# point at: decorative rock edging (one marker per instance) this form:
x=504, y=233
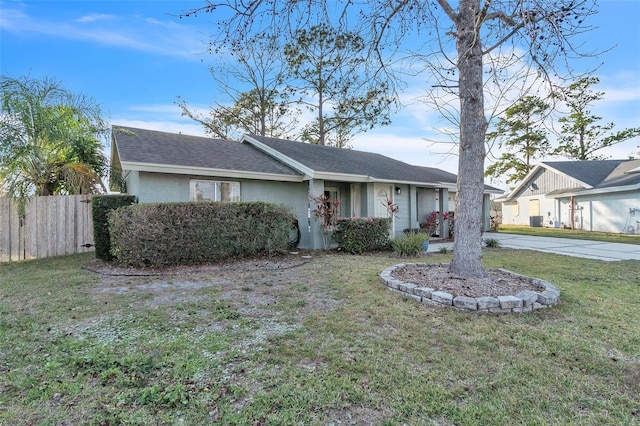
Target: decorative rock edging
x=524, y=301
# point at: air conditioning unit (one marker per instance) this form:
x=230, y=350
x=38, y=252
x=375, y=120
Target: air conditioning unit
x=536, y=221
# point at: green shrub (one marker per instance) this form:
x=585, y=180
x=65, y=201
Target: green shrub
x=101, y=205
x=409, y=244
x=362, y=234
x=156, y=235
x=491, y=242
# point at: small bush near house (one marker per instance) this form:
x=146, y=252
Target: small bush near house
x=359, y=235
x=409, y=244
x=156, y=235
x=491, y=243
x=101, y=205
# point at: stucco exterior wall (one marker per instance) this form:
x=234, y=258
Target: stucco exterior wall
x=617, y=212
x=547, y=208
x=162, y=188
x=596, y=212
x=133, y=182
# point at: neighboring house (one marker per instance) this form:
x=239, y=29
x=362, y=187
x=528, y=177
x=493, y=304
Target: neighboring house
x=165, y=167
x=598, y=195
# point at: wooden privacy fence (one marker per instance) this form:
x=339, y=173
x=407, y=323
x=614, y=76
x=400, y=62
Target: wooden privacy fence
x=52, y=226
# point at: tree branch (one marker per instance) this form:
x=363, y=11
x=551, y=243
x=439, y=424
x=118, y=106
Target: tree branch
x=444, y=4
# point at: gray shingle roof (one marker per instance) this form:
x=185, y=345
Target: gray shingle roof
x=444, y=177
x=622, y=175
x=150, y=146
x=599, y=173
x=337, y=160
x=170, y=149
x=346, y=161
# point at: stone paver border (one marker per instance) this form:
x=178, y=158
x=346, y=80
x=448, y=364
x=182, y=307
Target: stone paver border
x=525, y=301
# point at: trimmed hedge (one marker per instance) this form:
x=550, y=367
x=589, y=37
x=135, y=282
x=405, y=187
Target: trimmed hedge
x=157, y=235
x=101, y=205
x=358, y=235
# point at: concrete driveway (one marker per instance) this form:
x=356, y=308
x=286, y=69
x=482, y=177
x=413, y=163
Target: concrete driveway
x=569, y=247
x=579, y=248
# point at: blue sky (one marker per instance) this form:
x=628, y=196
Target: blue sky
x=136, y=57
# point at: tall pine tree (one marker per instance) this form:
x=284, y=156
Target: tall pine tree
x=521, y=135
x=581, y=134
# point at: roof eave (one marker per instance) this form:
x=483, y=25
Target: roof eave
x=342, y=177
x=444, y=185
x=493, y=191
x=115, y=154
x=205, y=171
x=595, y=191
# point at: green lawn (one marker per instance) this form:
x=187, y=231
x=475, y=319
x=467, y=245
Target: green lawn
x=571, y=233
x=321, y=343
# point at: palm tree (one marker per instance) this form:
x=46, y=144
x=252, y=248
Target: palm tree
x=49, y=140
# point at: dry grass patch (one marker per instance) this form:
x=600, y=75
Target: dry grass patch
x=320, y=342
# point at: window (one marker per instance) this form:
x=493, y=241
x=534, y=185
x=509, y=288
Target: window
x=534, y=207
x=211, y=190
x=515, y=210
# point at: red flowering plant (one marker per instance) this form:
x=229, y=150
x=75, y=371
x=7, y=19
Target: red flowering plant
x=392, y=208
x=431, y=223
x=326, y=212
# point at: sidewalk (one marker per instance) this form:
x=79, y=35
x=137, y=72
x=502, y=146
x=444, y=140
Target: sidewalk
x=597, y=250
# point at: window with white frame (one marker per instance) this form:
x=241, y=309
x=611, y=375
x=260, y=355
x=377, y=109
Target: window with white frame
x=213, y=190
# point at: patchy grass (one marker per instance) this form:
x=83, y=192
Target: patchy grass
x=570, y=233
x=324, y=342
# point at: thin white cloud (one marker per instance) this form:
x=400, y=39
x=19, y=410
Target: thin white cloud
x=622, y=94
x=93, y=17
x=411, y=150
x=11, y=20
x=129, y=32
x=169, y=109
x=161, y=117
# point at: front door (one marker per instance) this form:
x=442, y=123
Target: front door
x=384, y=194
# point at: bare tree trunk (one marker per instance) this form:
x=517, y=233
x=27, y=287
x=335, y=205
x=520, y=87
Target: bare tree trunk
x=321, y=130
x=467, y=254
x=263, y=109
